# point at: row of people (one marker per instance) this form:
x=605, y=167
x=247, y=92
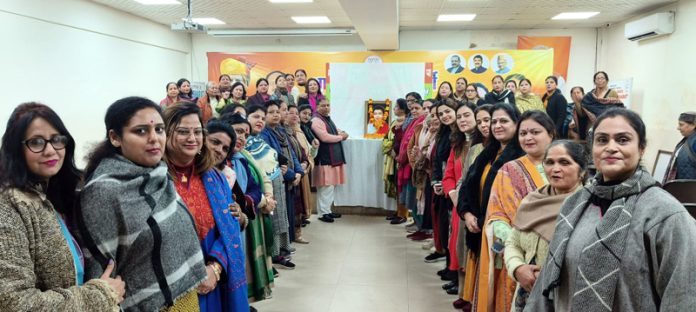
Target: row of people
x=171, y=213
x=465, y=171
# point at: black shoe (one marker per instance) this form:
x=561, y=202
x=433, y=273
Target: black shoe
x=450, y=285
x=434, y=257
x=335, y=215
x=398, y=220
x=326, y=218
x=252, y=309
x=442, y=272
x=305, y=222
x=453, y=291
x=283, y=263
x=392, y=217
x=275, y=273
x=450, y=276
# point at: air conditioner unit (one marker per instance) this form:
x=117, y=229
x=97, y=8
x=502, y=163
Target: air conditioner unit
x=658, y=24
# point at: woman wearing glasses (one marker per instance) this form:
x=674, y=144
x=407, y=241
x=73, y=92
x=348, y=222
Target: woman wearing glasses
x=471, y=95
x=41, y=266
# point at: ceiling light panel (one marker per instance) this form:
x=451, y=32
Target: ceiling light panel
x=157, y=2
x=455, y=17
x=311, y=19
x=207, y=21
x=574, y=15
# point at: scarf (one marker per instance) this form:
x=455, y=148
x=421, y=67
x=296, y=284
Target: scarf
x=230, y=253
x=538, y=211
x=307, y=130
x=501, y=97
x=279, y=134
x=313, y=100
x=133, y=215
x=597, y=281
x=594, y=106
x=265, y=156
x=239, y=163
x=330, y=153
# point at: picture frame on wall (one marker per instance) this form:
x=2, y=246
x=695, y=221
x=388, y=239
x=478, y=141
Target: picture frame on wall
x=377, y=118
x=661, y=164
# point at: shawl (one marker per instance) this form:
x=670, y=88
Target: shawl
x=538, y=211
x=227, y=249
x=404, y=169
x=596, y=288
x=133, y=215
x=264, y=155
x=330, y=153
x=278, y=94
x=505, y=96
x=284, y=149
x=595, y=106
x=307, y=130
x=527, y=102
x=444, y=145
x=472, y=198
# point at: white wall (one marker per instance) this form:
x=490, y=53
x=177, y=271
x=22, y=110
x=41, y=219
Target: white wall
x=79, y=57
x=580, y=71
x=661, y=69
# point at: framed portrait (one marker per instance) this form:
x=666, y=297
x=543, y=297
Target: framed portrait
x=376, y=118
x=661, y=164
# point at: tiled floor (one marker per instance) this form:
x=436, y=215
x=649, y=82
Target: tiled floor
x=358, y=264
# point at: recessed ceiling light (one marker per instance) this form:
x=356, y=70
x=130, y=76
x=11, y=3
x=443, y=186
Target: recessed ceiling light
x=206, y=21
x=574, y=15
x=157, y=2
x=455, y=17
x=311, y=19
x=291, y=1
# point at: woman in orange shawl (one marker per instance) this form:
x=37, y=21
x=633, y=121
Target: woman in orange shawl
x=513, y=182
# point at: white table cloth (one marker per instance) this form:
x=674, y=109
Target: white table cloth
x=364, y=185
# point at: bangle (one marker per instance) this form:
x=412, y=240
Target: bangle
x=216, y=269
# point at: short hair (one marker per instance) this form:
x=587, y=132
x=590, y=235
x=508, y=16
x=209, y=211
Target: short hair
x=244, y=95
x=14, y=172
x=478, y=56
x=172, y=117
x=633, y=119
x=457, y=56
x=600, y=72
x=688, y=117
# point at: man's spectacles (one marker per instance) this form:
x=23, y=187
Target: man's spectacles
x=38, y=144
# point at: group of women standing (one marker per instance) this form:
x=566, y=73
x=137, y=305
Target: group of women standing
x=512, y=212
x=183, y=206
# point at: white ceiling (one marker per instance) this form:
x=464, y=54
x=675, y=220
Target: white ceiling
x=378, y=20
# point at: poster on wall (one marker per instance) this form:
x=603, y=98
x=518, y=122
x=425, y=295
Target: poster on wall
x=623, y=88
x=477, y=66
x=561, y=52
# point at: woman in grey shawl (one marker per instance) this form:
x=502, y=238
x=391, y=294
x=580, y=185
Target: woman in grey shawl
x=621, y=244
x=131, y=214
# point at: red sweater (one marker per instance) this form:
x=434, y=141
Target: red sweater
x=453, y=172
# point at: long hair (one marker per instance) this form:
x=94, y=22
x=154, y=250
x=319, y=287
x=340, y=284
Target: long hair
x=478, y=136
x=244, y=95
x=172, y=118
x=180, y=82
x=318, y=86
x=458, y=138
x=493, y=144
x=118, y=115
x=14, y=172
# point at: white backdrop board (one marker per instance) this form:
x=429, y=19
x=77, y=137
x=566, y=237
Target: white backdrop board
x=351, y=84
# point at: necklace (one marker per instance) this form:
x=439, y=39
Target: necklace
x=182, y=172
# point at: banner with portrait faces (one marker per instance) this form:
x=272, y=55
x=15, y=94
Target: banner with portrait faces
x=477, y=66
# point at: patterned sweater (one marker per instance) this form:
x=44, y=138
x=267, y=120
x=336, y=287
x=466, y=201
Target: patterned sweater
x=37, y=272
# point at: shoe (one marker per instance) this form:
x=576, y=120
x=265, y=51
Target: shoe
x=335, y=215
x=454, y=290
x=412, y=234
x=252, y=309
x=326, y=218
x=450, y=285
x=467, y=306
x=301, y=240
x=283, y=263
x=459, y=304
x=435, y=257
x=285, y=254
x=442, y=272
x=305, y=221
x=398, y=220
x=412, y=224
x=450, y=276
x=275, y=273
x=428, y=245
x=422, y=236
x=392, y=217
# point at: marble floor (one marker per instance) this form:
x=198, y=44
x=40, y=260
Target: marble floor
x=358, y=264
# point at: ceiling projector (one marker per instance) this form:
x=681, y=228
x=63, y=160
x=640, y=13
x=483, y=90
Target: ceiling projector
x=189, y=27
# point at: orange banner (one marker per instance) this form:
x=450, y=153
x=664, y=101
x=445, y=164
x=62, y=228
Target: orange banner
x=561, y=51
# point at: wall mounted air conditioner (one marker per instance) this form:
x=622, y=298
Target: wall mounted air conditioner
x=655, y=25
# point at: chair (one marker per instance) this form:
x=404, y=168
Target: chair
x=685, y=192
